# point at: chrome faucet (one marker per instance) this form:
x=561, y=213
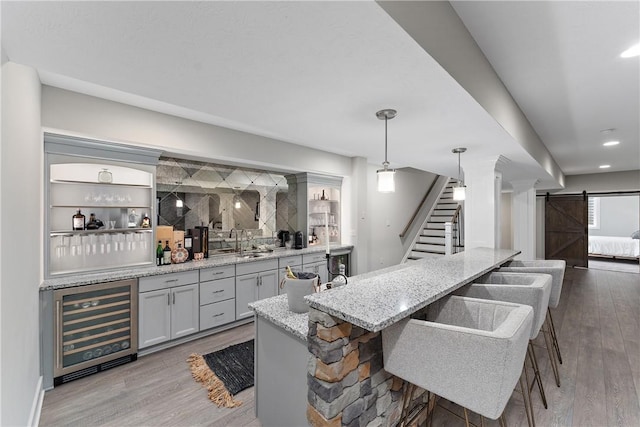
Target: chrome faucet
x=242, y=233
x=230, y=235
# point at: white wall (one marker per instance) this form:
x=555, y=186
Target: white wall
x=506, y=229
x=75, y=113
x=388, y=214
x=608, y=181
x=619, y=216
x=21, y=219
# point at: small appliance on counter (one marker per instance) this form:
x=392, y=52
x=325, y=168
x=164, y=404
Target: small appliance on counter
x=283, y=236
x=299, y=240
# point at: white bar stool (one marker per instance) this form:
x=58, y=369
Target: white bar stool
x=529, y=289
x=556, y=269
x=469, y=351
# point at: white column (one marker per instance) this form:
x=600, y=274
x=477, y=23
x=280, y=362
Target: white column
x=482, y=203
x=523, y=218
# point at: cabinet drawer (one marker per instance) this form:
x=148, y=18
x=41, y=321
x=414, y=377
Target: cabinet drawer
x=217, y=314
x=256, y=266
x=311, y=258
x=217, y=290
x=290, y=261
x=165, y=281
x=214, y=273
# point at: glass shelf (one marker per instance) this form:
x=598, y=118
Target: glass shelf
x=100, y=231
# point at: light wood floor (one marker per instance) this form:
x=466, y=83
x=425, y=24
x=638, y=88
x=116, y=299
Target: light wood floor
x=598, y=324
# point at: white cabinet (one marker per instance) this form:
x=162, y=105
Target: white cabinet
x=319, y=207
x=168, y=307
x=316, y=263
x=255, y=281
x=217, y=296
x=112, y=184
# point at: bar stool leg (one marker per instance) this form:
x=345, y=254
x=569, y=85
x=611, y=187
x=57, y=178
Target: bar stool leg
x=553, y=336
x=526, y=397
x=536, y=371
x=503, y=423
x=466, y=417
x=550, y=350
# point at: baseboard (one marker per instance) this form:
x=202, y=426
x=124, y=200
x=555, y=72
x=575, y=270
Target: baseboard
x=36, y=406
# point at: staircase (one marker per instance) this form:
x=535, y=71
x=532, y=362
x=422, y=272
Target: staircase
x=430, y=242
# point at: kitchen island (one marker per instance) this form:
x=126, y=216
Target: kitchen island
x=325, y=367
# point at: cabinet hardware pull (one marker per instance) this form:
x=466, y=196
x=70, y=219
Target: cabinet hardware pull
x=218, y=291
x=174, y=297
x=171, y=280
x=218, y=315
x=168, y=299
x=219, y=272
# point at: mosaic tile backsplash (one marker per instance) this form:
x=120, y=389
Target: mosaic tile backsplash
x=191, y=193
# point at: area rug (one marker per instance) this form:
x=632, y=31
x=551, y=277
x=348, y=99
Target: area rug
x=225, y=372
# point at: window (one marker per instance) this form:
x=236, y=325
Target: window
x=594, y=212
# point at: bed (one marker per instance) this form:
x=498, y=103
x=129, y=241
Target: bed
x=615, y=247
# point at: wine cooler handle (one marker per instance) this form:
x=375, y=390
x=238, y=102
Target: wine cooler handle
x=58, y=333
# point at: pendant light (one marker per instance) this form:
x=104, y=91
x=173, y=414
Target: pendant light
x=459, y=189
x=386, y=182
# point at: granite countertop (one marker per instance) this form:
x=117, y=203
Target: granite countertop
x=276, y=310
x=135, y=272
x=377, y=299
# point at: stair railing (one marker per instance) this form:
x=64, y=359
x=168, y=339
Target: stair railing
x=456, y=230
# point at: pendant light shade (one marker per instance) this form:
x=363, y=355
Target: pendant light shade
x=386, y=180
x=386, y=176
x=459, y=191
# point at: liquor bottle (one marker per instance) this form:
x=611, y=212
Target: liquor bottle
x=79, y=221
x=146, y=221
x=159, y=254
x=322, y=198
x=166, y=254
x=92, y=224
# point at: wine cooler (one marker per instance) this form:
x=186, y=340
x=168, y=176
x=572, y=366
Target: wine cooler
x=95, y=328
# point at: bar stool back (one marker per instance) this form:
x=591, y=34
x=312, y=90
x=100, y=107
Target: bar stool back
x=469, y=351
x=530, y=289
x=556, y=269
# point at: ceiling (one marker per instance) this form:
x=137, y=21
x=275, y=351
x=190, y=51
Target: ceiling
x=315, y=73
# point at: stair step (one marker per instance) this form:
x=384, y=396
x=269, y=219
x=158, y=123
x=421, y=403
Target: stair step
x=429, y=247
x=444, y=212
x=432, y=231
x=439, y=218
x=438, y=240
x=435, y=225
x=425, y=254
x=447, y=206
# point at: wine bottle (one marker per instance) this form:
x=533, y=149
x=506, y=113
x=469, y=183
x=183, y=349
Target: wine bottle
x=166, y=254
x=159, y=254
x=79, y=221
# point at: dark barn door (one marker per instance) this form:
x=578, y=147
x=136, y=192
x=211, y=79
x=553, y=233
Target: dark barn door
x=566, y=229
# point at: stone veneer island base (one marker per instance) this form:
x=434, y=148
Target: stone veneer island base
x=339, y=342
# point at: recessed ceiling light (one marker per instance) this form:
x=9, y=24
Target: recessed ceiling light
x=610, y=143
x=631, y=52
x=604, y=166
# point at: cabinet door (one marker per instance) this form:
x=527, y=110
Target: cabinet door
x=154, y=317
x=246, y=292
x=320, y=268
x=185, y=310
x=268, y=284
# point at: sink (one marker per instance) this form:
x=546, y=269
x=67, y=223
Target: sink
x=253, y=255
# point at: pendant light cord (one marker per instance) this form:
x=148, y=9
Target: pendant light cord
x=386, y=163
